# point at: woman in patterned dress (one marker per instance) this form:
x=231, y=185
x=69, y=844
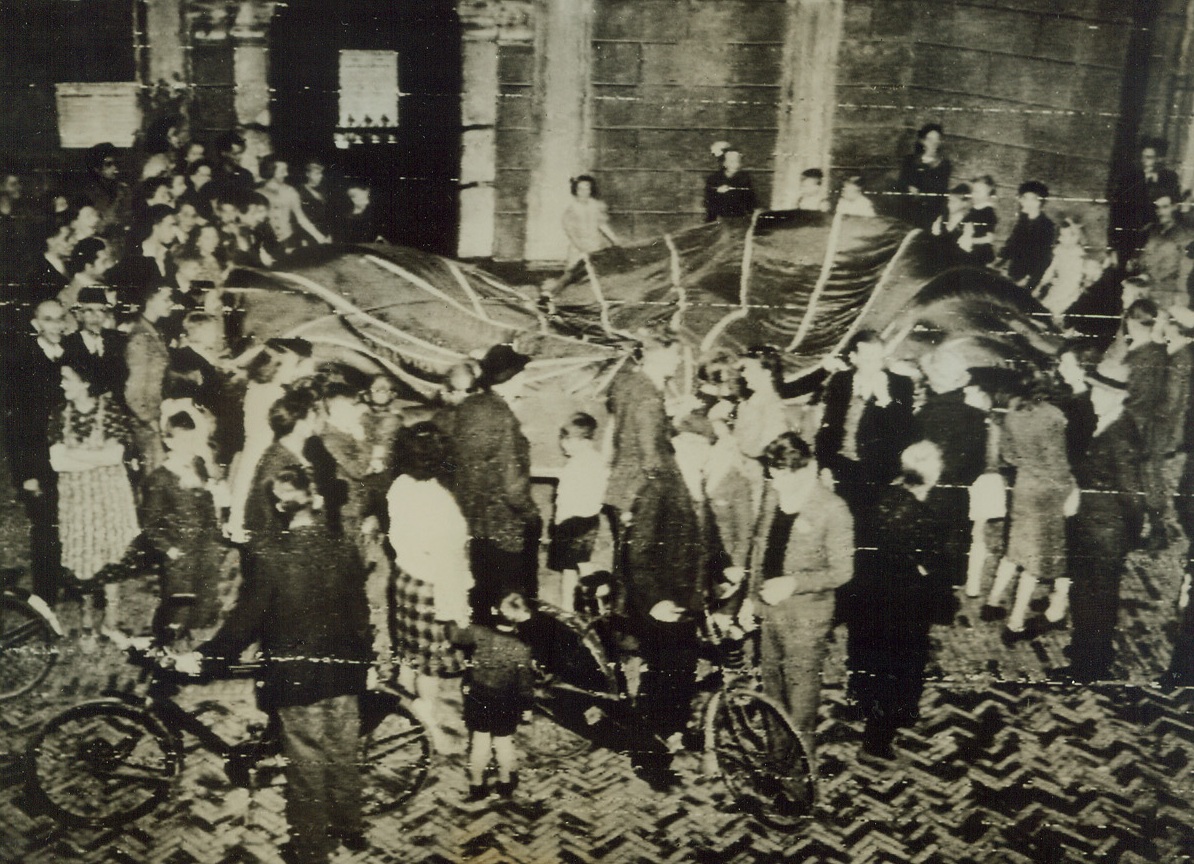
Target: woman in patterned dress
x=429, y=536
x=90, y=435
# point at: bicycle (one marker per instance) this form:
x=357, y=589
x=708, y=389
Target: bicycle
x=29, y=634
x=111, y=760
x=744, y=735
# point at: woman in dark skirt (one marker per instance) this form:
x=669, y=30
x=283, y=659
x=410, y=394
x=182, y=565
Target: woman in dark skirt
x=898, y=601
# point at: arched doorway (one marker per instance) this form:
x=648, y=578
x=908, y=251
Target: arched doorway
x=413, y=164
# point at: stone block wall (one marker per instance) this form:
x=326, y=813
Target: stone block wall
x=1026, y=89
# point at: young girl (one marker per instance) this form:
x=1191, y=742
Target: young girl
x=1062, y=284
x=497, y=693
x=578, y=505
x=978, y=226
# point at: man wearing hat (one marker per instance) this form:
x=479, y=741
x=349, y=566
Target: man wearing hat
x=1106, y=527
x=1163, y=256
x=95, y=345
x=493, y=481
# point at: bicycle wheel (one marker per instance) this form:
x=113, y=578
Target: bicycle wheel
x=760, y=755
x=27, y=647
x=396, y=755
x=103, y=764
x=555, y=731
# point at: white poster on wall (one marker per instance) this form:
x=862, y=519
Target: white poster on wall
x=95, y=113
x=368, y=89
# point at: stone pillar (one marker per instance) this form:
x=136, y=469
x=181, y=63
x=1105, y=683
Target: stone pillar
x=478, y=157
x=487, y=24
x=163, y=35
x=563, y=49
x=250, y=61
x=808, y=95
x=1181, y=106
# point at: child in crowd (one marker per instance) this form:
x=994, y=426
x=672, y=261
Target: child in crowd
x=181, y=522
x=579, y=498
x=1029, y=248
x=812, y=191
x=1068, y=274
x=498, y=693
x=951, y=225
x=978, y=235
x=853, y=201
x=462, y=381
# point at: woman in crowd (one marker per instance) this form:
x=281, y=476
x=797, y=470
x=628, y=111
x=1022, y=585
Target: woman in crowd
x=1032, y=441
x=279, y=363
x=313, y=197
x=90, y=439
x=429, y=536
x=924, y=177
x=586, y=220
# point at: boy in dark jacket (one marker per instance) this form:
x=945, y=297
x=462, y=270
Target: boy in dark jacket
x=498, y=694
x=304, y=601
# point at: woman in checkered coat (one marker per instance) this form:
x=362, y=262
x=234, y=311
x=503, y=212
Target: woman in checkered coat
x=429, y=536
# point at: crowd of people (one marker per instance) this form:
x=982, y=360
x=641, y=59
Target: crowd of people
x=291, y=503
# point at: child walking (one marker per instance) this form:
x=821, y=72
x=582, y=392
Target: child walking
x=579, y=498
x=498, y=691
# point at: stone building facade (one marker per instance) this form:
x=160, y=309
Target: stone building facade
x=533, y=92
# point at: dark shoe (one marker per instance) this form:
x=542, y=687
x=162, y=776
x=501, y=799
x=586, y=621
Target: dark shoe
x=476, y=794
x=353, y=841
x=992, y=613
x=506, y=789
x=659, y=779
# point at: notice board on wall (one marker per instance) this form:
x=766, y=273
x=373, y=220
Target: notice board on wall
x=368, y=89
x=95, y=113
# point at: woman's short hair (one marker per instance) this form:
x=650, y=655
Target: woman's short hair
x=923, y=132
x=788, y=452
x=86, y=373
x=423, y=451
x=862, y=337
x=585, y=178
x=985, y=179
x=84, y=254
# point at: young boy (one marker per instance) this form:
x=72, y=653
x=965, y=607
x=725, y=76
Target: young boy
x=498, y=693
x=1029, y=249
x=578, y=505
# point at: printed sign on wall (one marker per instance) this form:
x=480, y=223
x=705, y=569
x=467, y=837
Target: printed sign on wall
x=90, y=114
x=368, y=89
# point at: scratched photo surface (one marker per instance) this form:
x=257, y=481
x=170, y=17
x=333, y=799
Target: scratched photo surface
x=818, y=370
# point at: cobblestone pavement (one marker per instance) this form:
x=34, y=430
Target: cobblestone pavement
x=1003, y=767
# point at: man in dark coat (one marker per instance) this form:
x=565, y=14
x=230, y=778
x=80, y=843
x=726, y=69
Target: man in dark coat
x=866, y=426
x=33, y=387
x=94, y=346
x=729, y=192
x=304, y=602
x=1108, y=522
x=492, y=482
x=960, y=431
x=1147, y=362
x=1132, y=201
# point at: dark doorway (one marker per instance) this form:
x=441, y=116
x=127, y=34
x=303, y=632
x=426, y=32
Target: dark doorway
x=412, y=166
